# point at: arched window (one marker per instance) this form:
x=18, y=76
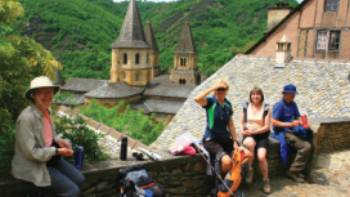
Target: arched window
x=182, y=81
x=183, y=61
x=137, y=58
x=125, y=58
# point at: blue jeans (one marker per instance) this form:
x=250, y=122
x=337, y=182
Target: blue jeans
x=66, y=180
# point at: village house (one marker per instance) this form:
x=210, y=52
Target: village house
x=135, y=71
x=318, y=29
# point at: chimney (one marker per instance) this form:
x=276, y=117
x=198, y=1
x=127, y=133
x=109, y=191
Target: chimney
x=283, y=54
x=276, y=14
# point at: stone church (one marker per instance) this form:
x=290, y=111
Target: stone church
x=135, y=75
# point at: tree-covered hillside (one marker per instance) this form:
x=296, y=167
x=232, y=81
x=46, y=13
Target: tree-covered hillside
x=80, y=32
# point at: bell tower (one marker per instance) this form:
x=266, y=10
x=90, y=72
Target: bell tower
x=185, y=59
x=130, y=52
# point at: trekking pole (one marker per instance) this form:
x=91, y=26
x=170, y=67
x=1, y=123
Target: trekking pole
x=202, y=154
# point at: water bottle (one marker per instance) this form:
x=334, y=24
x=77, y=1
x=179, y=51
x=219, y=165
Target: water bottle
x=79, y=157
x=124, y=149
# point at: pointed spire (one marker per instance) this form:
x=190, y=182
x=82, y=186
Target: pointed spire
x=59, y=78
x=150, y=38
x=131, y=34
x=186, y=44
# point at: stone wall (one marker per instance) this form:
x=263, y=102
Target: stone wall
x=181, y=176
x=333, y=135
x=185, y=176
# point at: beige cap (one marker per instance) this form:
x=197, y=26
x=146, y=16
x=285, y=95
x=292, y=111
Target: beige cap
x=40, y=82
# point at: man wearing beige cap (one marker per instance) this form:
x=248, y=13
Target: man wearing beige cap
x=38, y=151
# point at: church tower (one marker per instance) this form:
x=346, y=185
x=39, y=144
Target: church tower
x=130, y=52
x=185, y=61
x=154, y=50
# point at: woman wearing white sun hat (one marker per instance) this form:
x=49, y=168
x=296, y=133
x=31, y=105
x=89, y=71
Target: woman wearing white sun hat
x=38, y=152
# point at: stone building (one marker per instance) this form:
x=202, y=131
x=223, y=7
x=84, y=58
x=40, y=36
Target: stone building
x=185, y=60
x=315, y=29
x=130, y=52
x=135, y=71
x=153, y=54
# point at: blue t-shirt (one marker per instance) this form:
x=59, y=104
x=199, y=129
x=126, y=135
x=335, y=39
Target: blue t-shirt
x=218, y=117
x=285, y=112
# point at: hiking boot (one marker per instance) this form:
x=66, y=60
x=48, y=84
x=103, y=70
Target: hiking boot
x=295, y=176
x=266, y=187
x=250, y=176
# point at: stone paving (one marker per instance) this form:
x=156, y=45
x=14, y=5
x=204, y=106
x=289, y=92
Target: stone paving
x=330, y=178
x=323, y=86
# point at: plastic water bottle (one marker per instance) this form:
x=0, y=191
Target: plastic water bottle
x=79, y=157
x=124, y=149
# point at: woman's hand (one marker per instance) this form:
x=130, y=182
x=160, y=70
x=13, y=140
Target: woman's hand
x=247, y=132
x=64, y=143
x=65, y=152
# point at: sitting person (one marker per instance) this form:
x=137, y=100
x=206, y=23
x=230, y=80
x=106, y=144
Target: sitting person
x=255, y=128
x=220, y=134
x=38, y=152
x=288, y=130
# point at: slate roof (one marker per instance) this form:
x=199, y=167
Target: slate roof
x=82, y=85
x=150, y=37
x=162, y=86
x=159, y=106
x=59, y=78
x=114, y=91
x=323, y=86
x=186, y=43
x=131, y=34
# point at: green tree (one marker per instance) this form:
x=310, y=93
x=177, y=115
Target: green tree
x=21, y=59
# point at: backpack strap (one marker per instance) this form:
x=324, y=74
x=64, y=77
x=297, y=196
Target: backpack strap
x=211, y=113
x=266, y=110
x=245, y=112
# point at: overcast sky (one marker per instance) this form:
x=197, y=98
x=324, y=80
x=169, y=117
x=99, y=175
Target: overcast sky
x=169, y=0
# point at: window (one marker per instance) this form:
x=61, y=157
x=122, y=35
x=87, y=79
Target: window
x=182, y=81
x=125, y=58
x=137, y=58
x=334, y=40
x=331, y=5
x=322, y=40
x=183, y=61
x=328, y=40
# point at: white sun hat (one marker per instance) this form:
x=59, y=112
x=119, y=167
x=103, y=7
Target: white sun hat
x=40, y=82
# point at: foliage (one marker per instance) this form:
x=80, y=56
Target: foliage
x=7, y=141
x=21, y=59
x=76, y=130
x=123, y=118
x=80, y=32
x=66, y=98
